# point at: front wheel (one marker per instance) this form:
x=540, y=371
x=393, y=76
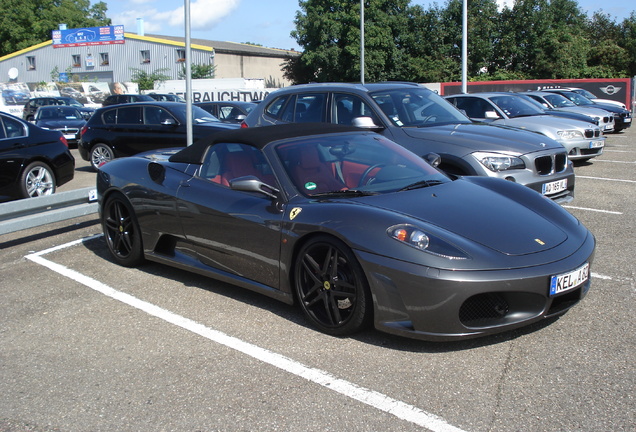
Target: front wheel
x=121, y=231
x=37, y=180
x=100, y=154
x=331, y=287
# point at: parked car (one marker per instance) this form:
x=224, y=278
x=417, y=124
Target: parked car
x=167, y=97
x=95, y=94
x=33, y=161
x=582, y=141
x=353, y=227
x=127, y=129
x=66, y=119
x=14, y=97
x=228, y=111
x=556, y=103
x=126, y=98
x=591, y=96
x=28, y=112
x=622, y=117
x=424, y=123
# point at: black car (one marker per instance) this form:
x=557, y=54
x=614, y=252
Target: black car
x=128, y=129
x=228, y=111
x=351, y=226
x=28, y=112
x=33, y=161
x=66, y=119
x=622, y=117
x=117, y=99
x=423, y=122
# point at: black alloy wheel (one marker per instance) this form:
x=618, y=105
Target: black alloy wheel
x=331, y=287
x=121, y=231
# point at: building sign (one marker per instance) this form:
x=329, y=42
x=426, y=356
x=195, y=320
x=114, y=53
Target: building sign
x=88, y=36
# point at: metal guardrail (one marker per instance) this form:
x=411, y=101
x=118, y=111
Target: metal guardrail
x=32, y=212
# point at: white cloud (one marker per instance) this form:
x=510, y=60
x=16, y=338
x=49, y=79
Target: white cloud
x=203, y=15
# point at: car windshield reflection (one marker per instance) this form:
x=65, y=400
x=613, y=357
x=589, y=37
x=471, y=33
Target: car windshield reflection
x=354, y=165
x=415, y=107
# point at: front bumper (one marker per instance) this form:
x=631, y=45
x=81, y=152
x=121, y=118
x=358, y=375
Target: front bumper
x=426, y=303
x=583, y=148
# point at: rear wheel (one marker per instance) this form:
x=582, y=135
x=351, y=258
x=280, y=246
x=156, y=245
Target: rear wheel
x=100, y=154
x=331, y=287
x=121, y=231
x=37, y=180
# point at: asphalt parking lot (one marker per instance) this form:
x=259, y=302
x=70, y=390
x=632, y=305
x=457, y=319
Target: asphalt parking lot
x=91, y=346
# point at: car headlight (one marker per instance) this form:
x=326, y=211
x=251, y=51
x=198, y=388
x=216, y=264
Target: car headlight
x=499, y=162
x=570, y=134
x=418, y=239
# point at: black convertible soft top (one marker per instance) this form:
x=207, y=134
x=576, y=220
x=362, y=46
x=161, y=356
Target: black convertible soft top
x=258, y=137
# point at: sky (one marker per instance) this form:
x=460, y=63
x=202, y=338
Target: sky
x=262, y=22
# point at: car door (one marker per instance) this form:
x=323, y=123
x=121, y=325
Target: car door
x=13, y=139
x=232, y=231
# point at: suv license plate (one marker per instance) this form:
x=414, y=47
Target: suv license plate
x=554, y=187
x=567, y=281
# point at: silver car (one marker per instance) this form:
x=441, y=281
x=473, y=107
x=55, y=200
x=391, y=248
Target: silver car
x=582, y=141
x=424, y=123
x=602, y=118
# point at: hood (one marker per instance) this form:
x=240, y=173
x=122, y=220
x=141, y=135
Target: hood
x=546, y=123
x=485, y=137
x=480, y=215
x=586, y=111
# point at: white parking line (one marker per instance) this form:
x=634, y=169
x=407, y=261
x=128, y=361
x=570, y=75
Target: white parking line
x=605, y=179
x=613, y=161
x=593, y=210
x=372, y=398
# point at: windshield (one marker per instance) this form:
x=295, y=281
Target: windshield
x=559, y=101
x=58, y=113
x=514, y=106
x=417, y=107
x=578, y=99
x=354, y=164
x=585, y=93
x=69, y=101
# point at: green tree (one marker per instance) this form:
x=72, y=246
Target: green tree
x=24, y=23
x=145, y=80
x=329, y=33
x=198, y=71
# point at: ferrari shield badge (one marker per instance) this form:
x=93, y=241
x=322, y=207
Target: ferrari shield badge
x=294, y=212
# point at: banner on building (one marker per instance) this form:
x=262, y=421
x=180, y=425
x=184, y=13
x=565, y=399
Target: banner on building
x=88, y=36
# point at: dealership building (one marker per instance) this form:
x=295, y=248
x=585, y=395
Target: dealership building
x=108, y=54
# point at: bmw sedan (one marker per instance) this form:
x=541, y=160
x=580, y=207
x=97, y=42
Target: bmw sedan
x=127, y=129
x=353, y=228
x=33, y=161
x=622, y=116
x=582, y=141
x=66, y=119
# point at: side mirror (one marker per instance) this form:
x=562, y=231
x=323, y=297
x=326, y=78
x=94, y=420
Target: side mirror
x=492, y=115
x=168, y=122
x=240, y=117
x=365, y=123
x=433, y=159
x=253, y=184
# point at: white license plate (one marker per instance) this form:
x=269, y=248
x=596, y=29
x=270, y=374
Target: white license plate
x=67, y=136
x=628, y=120
x=596, y=144
x=567, y=281
x=608, y=127
x=554, y=187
